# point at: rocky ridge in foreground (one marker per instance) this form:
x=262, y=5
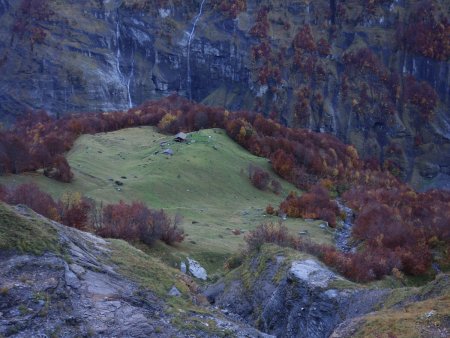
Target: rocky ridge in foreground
x=75, y=290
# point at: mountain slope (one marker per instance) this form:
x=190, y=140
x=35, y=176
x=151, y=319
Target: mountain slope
x=376, y=73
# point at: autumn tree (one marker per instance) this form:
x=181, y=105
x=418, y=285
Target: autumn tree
x=74, y=210
x=30, y=195
x=258, y=176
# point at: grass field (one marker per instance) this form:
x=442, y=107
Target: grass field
x=205, y=181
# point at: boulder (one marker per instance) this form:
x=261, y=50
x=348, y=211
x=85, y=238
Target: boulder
x=196, y=270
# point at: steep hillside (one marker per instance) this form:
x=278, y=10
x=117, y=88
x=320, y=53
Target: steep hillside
x=374, y=73
x=205, y=181
x=61, y=282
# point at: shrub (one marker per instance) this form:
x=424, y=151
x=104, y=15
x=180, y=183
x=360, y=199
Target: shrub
x=304, y=40
x=131, y=222
x=422, y=95
x=62, y=171
x=268, y=233
x=426, y=34
x=36, y=9
x=363, y=266
x=323, y=47
x=270, y=210
x=259, y=177
x=315, y=204
x=136, y=222
x=172, y=233
x=261, y=26
x=234, y=261
x=276, y=186
x=30, y=195
x=74, y=210
x=166, y=122
x=231, y=8
x=27, y=19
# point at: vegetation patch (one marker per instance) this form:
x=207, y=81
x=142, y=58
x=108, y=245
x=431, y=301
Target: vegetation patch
x=26, y=235
x=148, y=271
x=257, y=263
x=428, y=318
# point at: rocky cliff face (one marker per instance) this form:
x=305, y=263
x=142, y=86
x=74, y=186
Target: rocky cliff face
x=293, y=295
x=299, y=298
x=376, y=74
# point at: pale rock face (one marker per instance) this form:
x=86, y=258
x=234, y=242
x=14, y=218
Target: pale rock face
x=196, y=269
x=262, y=90
x=174, y=292
x=312, y=272
x=183, y=267
x=164, y=12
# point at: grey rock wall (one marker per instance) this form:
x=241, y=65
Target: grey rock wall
x=305, y=302
x=105, y=55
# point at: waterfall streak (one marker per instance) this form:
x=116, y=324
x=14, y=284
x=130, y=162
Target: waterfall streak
x=130, y=77
x=126, y=83
x=191, y=35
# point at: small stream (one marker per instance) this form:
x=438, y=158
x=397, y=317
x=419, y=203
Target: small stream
x=344, y=230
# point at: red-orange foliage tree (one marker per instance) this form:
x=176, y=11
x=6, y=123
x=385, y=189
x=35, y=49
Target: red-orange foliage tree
x=136, y=222
x=258, y=176
x=31, y=196
x=314, y=204
x=231, y=8
x=63, y=172
x=261, y=26
x=422, y=95
x=304, y=40
x=427, y=33
x=74, y=211
x=28, y=17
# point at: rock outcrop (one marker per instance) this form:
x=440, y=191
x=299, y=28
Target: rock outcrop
x=75, y=294
x=196, y=269
x=300, y=302
x=292, y=295
x=79, y=292
x=348, y=68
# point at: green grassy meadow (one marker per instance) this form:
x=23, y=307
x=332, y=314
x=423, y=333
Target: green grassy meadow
x=205, y=181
